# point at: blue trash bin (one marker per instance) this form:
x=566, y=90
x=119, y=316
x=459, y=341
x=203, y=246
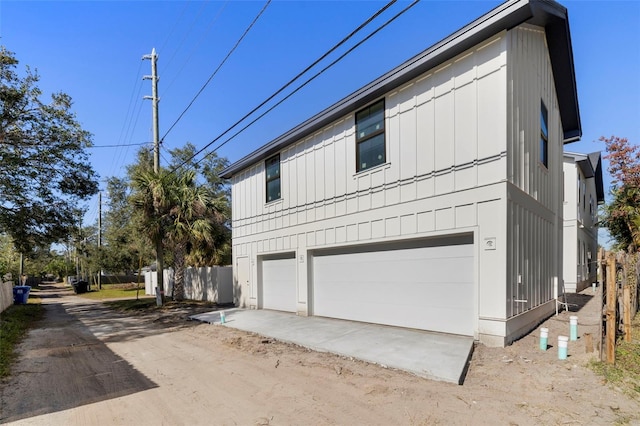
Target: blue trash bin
x=21, y=294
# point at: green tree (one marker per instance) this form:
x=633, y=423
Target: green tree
x=189, y=222
x=151, y=200
x=622, y=214
x=45, y=169
x=9, y=257
x=218, y=250
x=123, y=248
x=173, y=209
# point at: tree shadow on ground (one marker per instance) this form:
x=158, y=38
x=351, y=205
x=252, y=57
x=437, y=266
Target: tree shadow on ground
x=64, y=364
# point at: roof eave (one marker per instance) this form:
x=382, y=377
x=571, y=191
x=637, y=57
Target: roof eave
x=510, y=14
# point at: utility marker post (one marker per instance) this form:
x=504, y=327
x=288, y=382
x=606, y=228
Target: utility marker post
x=156, y=163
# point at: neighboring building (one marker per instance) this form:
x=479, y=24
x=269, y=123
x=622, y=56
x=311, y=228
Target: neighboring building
x=431, y=198
x=583, y=192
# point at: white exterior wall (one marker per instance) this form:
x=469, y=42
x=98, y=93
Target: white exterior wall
x=462, y=157
x=446, y=154
x=580, y=228
x=534, y=208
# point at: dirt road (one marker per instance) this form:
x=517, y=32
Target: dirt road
x=87, y=365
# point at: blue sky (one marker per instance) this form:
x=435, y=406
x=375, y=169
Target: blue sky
x=92, y=50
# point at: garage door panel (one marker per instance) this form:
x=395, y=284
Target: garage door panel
x=279, y=284
x=427, y=288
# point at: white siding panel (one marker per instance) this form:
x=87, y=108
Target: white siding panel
x=392, y=227
x=320, y=170
x=341, y=166
x=444, y=218
x=425, y=137
x=310, y=172
x=466, y=112
x=329, y=171
x=408, y=145
x=465, y=215
x=444, y=131
x=491, y=124
x=426, y=221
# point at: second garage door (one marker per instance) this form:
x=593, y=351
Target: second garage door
x=279, y=283
x=425, y=285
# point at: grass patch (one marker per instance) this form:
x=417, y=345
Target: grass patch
x=114, y=292
x=132, y=305
x=15, y=322
x=625, y=373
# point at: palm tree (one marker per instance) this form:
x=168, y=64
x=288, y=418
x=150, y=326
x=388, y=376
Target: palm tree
x=189, y=223
x=176, y=211
x=151, y=202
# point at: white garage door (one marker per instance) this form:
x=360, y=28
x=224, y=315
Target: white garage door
x=428, y=285
x=279, y=283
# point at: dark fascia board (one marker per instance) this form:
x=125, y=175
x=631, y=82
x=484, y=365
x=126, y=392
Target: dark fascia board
x=585, y=167
x=591, y=167
x=595, y=158
x=544, y=13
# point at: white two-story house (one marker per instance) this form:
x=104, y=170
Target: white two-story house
x=431, y=198
x=583, y=193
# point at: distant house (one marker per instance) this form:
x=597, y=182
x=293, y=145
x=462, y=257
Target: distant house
x=583, y=193
x=431, y=198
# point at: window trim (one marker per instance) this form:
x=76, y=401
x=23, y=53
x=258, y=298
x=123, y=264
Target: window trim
x=544, y=137
x=372, y=135
x=268, y=180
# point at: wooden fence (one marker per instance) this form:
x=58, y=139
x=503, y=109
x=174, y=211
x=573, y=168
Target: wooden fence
x=620, y=296
x=6, y=295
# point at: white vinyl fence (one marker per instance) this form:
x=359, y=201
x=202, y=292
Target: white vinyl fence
x=211, y=284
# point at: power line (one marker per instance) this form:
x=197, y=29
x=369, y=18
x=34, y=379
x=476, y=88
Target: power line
x=119, y=145
x=308, y=81
x=217, y=69
x=173, y=28
x=193, y=49
x=303, y=84
x=131, y=118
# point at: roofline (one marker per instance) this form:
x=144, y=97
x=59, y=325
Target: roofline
x=591, y=166
x=546, y=13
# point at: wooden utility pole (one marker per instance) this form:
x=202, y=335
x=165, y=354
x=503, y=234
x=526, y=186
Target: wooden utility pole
x=156, y=161
x=612, y=292
x=100, y=240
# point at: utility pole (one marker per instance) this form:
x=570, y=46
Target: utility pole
x=100, y=240
x=156, y=164
x=154, y=100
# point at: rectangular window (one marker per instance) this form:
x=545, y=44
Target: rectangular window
x=544, y=136
x=370, y=146
x=272, y=167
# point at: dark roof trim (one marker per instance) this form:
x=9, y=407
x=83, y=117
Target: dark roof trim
x=595, y=158
x=591, y=167
x=545, y=13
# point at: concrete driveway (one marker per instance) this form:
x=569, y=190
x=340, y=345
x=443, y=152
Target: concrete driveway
x=434, y=356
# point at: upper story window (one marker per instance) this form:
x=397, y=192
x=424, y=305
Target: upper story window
x=272, y=167
x=544, y=136
x=370, y=145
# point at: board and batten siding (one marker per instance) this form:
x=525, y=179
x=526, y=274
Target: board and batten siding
x=446, y=160
x=462, y=151
x=534, y=209
x=444, y=134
